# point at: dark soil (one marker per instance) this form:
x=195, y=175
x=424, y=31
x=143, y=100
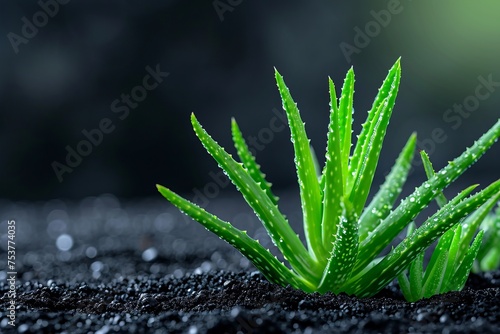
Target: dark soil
x=142, y=268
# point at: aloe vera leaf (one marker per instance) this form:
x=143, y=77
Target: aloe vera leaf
x=317, y=166
x=435, y=254
x=457, y=199
x=395, y=222
x=310, y=193
x=383, y=201
x=433, y=284
x=416, y=276
x=471, y=225
x=371, y=145
x=489, y=239
x=401, y=256
x=248, y=161
x=458, y=280
x=415, y=270
x=369, y=159
x=344, y=253
x=332, y=176
x=461, y=240
x=387, y=91
x=489, y=252
x=357, y=276
x=442, y=246
x=429, y=171
x=345, y=111
x=435, y=271
x=454, y=233
x=453, y=259
x=491, y=260
x=276, y=225
x=406, y=288
x=271, y=268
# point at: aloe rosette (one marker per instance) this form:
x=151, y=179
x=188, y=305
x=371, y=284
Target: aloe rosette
x=344, y=236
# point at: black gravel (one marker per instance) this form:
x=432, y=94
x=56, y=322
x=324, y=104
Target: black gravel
x=133, y=280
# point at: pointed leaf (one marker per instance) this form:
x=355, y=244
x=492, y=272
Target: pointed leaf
x=363, y=177
x=429, y=171
x=310, y=193
x=436, y=273
x=453, y=261
x=383, y=201
x=416, y=277
x=472, y=223
x=248, y=161
x=276, y=225
x=345, y=112
x=436, y=270
x=344, y=253
x=415, y=272
x=387, y=92
x=406, y=288
x=333, y=179
x=420, y=198
x=442, y=246
x=489, y=253
x=460, y=277
x=401, y=256
x=263, y=260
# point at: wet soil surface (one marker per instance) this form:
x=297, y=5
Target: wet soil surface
x=101, y=266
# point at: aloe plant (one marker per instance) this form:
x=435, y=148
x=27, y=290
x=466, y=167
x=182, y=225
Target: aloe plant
x=343, y=238
x=452, y=259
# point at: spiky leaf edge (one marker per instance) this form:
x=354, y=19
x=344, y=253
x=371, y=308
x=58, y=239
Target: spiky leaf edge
x=274, y=270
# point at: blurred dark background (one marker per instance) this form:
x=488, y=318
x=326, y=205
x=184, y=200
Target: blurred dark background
x=66, y=68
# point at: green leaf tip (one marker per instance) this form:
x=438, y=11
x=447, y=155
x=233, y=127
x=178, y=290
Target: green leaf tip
x=345, y=234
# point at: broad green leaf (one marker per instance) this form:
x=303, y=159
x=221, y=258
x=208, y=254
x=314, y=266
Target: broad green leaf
x=310, y=193
x=271, y=268
x=383, y=201
x=248, y=161
x=276, y=225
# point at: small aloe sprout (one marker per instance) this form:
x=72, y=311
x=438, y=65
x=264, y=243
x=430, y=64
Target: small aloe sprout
x=452, y=259
x=488, y=258
x=344, y=235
